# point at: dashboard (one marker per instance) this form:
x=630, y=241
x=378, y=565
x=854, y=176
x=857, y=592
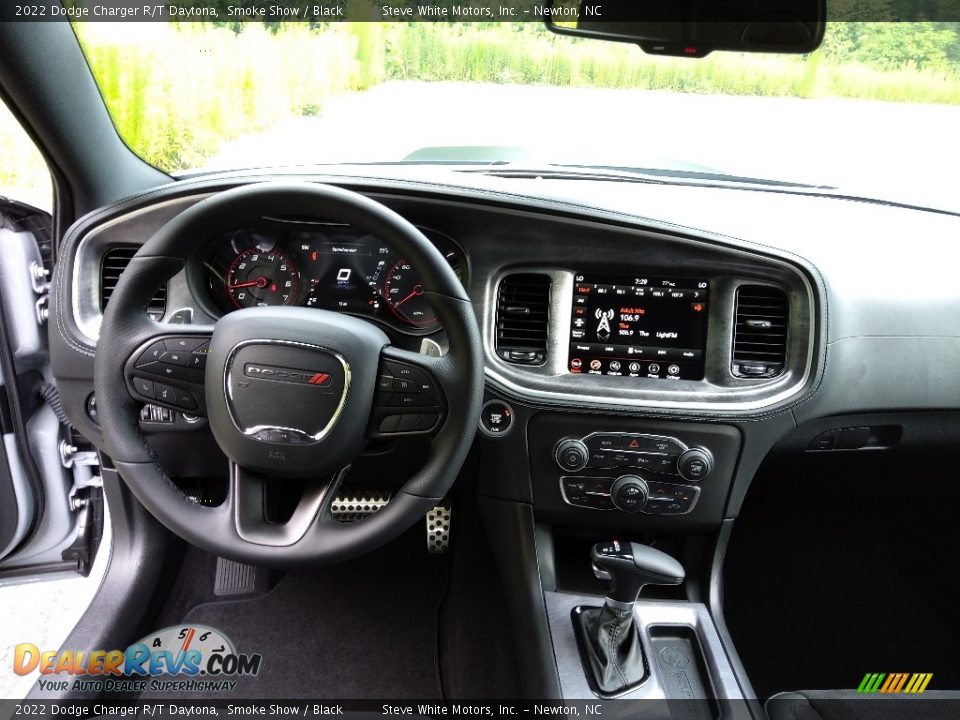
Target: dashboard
x=651, y=294
x=318, y=265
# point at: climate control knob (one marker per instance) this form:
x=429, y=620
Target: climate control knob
x=572, y=454
x=629, y=493
x=695, y=464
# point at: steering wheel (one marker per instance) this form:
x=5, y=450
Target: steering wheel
x=289, y=392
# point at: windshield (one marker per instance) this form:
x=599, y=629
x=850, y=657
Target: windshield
x=873, y=112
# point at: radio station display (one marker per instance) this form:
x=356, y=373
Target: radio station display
x=643, y=327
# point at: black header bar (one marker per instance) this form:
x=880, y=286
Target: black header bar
x=322, y=11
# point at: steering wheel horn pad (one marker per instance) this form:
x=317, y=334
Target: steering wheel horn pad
x=289, y=392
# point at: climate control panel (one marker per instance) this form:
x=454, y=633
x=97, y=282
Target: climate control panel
x=628, y=493
x=659, y=454
x=618, y=473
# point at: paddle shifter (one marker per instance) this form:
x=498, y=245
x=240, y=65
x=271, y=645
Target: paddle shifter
x=613, y=653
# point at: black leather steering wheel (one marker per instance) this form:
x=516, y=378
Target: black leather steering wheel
x=289, y=392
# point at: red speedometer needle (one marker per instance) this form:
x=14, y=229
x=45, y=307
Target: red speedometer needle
x=260, y=282
x=417, y=290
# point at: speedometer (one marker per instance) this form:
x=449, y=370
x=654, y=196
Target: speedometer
x=403, y=292
x=257, y=278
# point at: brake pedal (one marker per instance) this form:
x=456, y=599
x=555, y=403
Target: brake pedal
x=439, y=525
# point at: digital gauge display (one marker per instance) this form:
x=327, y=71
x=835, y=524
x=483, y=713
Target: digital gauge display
x=322, y=265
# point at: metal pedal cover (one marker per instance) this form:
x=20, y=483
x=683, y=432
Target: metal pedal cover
x=234, y=578
x=350, y=508
x=438, y=528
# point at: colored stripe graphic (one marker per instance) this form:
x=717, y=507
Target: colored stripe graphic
x=894, y=683
x=871, y=682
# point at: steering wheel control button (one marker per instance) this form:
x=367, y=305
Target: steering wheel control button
x=572, y=454
x=185, y=344
x=174, y=358
x=182, y=359
x=426, y=421
x=151, y=354
x=401, y=371
x=144, y=388
x=496, y=419
x=404, y=387
x=91, y=407
x=166, y=393
x=407, y=423
x=184, y=399
x=389, y=424
x=695, y=464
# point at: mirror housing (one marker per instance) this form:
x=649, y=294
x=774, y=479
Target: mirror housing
x=694, y=28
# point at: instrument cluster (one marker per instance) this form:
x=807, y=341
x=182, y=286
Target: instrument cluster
x=323, y=265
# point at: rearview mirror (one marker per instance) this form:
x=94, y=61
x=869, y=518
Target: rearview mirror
x=694, y=28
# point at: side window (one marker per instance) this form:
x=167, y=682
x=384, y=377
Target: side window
x=24, y=176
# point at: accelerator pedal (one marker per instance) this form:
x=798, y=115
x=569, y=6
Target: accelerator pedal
x=439, y=526
x=354, y=507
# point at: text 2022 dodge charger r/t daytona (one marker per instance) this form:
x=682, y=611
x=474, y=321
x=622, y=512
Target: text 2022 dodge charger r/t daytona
x=473, y=368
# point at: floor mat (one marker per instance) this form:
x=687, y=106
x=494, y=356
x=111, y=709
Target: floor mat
x=821, y=590
x=364, y=629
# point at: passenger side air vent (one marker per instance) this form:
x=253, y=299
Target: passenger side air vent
x=760, y=334
x=114, y=262
x=523, y=315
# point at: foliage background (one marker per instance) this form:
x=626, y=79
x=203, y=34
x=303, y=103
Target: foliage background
x=178, y=91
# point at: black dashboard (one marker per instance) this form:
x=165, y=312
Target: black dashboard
x=683, y=296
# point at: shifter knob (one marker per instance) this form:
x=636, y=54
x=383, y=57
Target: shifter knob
x=630, y=566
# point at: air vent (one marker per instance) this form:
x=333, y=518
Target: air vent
x=114, y=262
x=760, y=337
x=523, y=314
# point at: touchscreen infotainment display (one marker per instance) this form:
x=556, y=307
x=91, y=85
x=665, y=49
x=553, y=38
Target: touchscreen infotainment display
x=649, y=327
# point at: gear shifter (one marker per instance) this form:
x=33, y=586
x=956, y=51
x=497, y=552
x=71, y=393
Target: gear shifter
x=608, y=637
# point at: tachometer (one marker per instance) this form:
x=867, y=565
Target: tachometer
x=260, y=278
x=403, y=292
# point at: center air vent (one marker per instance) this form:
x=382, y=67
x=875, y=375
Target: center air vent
x=760, y=335
x=114, y=262
x=523, y=315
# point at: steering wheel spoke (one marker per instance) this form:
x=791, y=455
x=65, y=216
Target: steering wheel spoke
x=410, y=397
x=248, y=501
x=170, y=369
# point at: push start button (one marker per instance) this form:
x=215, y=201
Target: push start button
x=496, y=418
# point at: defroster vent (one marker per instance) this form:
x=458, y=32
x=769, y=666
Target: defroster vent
x=114, y=262
x=760, y=336
x=523, y=317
